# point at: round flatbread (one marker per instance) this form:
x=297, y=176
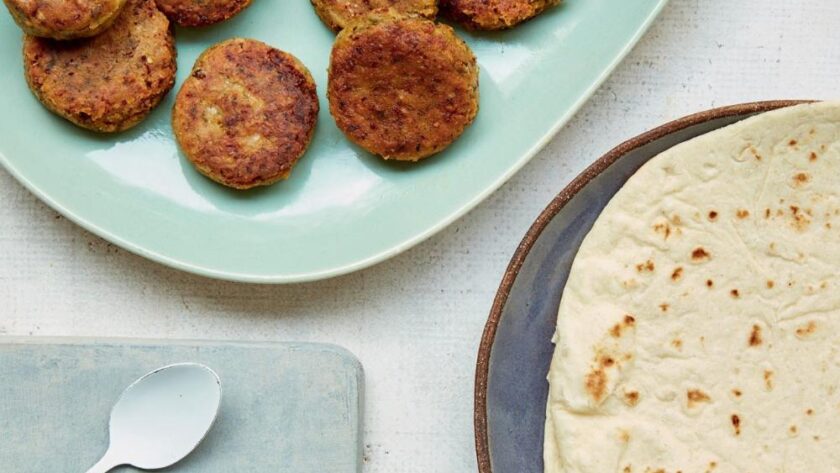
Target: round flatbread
x=110, y=82
x=246, y=114
x=699, y=329
x=64, y=19
x=402, y=88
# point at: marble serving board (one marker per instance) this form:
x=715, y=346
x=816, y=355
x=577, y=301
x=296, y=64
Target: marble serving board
x=286, y=407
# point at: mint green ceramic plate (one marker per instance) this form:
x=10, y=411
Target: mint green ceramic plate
x=342, y=209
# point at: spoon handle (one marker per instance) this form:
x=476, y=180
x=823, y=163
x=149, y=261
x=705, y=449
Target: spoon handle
x=104, y=465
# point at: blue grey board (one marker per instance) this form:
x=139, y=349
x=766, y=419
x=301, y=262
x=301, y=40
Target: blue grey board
x=286, y=407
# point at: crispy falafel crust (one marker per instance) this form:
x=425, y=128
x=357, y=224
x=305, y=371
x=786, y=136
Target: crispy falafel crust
x=493, y=14
x=62, y=19
x=338, y=14
x=201, y=13
x=246, y=114
x=402, y=88
x=111, y=82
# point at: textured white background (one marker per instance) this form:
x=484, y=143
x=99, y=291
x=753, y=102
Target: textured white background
x=415, y=321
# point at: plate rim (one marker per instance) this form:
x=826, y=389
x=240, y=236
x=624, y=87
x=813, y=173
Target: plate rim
x=545, y=217
x=371, y=260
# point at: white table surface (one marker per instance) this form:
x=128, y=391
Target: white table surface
x=415, y=321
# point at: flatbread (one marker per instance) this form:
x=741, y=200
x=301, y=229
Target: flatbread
x=699, y=330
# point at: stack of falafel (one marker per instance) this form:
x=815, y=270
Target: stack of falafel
x=105, y=64
x=400, y=85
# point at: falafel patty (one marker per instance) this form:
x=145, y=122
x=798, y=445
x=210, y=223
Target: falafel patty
x=493, y=14
x=337, y=14
x=110, y=82
x=64, y=19
x=201, y=12
x=246, y=114
x=402, y=88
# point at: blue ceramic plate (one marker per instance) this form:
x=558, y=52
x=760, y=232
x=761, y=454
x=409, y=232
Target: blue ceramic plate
x=511, y=388
x=342, y=209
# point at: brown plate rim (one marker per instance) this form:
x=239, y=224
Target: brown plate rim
x=485, y=348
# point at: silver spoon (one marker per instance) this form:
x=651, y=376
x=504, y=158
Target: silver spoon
x=162, y=417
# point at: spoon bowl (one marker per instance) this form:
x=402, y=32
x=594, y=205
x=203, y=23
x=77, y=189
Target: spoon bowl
x=161, y=418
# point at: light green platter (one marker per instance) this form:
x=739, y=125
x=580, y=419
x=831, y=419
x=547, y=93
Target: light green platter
x=342, y=209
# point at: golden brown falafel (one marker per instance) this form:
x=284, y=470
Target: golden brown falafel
x=201, y=12
x=403, y=88
x=493, y=14
x=64, y=19
x=246, y=114
x=110, y=82
x=337, y=14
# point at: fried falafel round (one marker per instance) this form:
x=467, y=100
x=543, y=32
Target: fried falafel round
x=111, y=82
x=246, y=114
x=403, y=88
x=201, y=12
x=493, y=14
x=64, y=19
x=337, y=14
